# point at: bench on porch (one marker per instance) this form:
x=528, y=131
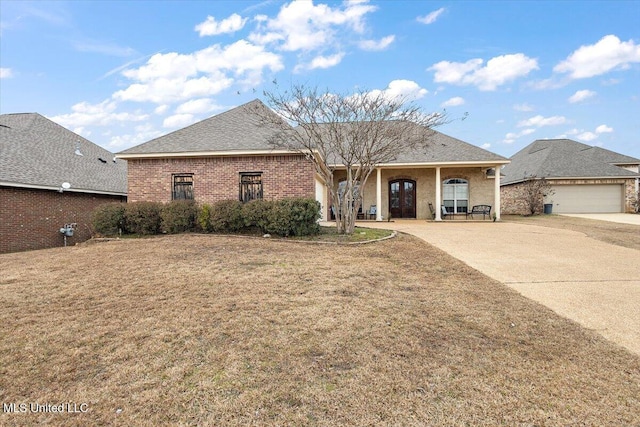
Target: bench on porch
x=485, y=210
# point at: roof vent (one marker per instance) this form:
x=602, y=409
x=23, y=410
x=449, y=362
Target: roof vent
x=78, y=152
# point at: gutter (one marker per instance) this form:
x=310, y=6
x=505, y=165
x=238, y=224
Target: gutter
x=70, y=190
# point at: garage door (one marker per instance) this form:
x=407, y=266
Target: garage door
x=587, y=198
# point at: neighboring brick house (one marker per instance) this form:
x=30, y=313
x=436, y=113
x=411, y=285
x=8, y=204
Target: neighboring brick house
x=38, y=159
x=228, y=156
x=584, y=179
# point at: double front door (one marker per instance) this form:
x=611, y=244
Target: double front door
x=402, y=198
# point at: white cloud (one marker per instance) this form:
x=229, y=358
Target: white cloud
x=104, y=48
x=82, y=131
x=496, y=72
x=539, y=121
x=102, y=114
x=161, y=109
x=523, y=107
x=301, y=25
x=326, y=61
x=211, y=27
x=581, y=95
x=404, y=89
x=198, y=106
x=431, y=17
x=178, y=121
x=6, y=73
x=373, y=45
x=609, y=53
x=453, y=102
x=512, y=136
x=604, y=129
x=173, y=77
x=143, y=133
x=587, y=136
x=486, y=146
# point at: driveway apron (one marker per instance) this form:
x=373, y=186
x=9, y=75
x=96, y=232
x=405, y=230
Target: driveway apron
x=594, y=283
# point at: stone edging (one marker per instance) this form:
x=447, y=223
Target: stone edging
x=309, y=242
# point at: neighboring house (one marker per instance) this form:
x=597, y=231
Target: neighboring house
x=584, y=179
x=228, y=156
x=38, y=159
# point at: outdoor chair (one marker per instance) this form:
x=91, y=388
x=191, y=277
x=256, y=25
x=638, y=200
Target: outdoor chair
x=372, y=212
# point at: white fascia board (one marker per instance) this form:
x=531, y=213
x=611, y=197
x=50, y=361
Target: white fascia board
x=482, y=163
x=70, y=190
x=205, y=154
x=557, y=178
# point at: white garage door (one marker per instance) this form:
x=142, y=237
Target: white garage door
x=587, y=198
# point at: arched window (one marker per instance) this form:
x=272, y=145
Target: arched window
x=455, y=195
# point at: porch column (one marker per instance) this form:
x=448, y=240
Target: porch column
x=438, y=205
x=496, y=196
x=378, y=194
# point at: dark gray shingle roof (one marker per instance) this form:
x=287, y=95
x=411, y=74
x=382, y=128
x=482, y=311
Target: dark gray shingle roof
x=34, y=151
x=564, y=158
x=238, y=129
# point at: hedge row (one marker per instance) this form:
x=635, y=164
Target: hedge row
x=286, y=217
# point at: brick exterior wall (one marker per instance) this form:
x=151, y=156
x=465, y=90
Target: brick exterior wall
x=218, y=178
x=512, y=203
x=512, y=200
x=31, y=219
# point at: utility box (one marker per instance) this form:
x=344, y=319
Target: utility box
x=67, y=231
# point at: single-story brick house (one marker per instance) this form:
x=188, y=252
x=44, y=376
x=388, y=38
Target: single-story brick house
x=584, y=179
x=228, y=156
x=39, y=159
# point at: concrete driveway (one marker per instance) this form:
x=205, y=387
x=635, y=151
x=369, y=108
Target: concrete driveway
x=594, y=283
x=622, y=218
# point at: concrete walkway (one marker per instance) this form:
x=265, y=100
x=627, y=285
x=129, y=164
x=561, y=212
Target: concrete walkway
x=592, y=282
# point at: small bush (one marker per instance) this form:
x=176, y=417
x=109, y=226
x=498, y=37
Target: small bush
x=143, y=217
x=256, y=213
x=179, y=216
x=294, y=217
x=226, y=216
x=108, y=219
x=204, y=218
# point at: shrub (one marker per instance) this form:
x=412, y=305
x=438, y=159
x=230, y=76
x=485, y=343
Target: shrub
x=108, y=219
x=179, y=216
x=142, y=217
x=226, y=216
x=256, y=214
x=294, y=217
x=204, y=218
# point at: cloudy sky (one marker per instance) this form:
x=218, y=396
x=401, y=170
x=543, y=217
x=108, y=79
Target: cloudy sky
x=123, y=72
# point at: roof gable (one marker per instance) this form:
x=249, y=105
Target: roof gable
x=36, y=152
x=565, y=158
x=238, y=129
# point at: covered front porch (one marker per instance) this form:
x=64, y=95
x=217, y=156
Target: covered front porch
x=424, y=191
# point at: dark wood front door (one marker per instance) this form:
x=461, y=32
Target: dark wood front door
x=402, y=198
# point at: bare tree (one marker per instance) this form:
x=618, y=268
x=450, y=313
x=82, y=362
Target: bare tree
x=534, y=190
x=353, y=132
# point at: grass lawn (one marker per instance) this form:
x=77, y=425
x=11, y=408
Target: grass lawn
x=211, y=330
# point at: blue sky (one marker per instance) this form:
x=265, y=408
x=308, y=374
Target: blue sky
x=123, y=72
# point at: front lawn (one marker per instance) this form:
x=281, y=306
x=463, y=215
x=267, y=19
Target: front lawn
x=211, y=330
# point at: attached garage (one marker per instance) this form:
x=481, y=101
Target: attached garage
x=588, y=198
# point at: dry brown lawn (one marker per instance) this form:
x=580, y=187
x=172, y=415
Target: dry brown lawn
x=626, y=235
x=209, y=330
